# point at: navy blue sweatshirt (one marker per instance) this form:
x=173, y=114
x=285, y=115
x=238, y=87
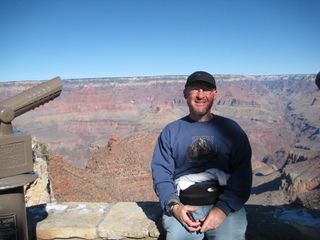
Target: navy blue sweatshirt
x=186, y=146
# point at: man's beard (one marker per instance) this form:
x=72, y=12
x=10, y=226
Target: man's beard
x=199, y=111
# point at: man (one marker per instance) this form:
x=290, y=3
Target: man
x=201, y=169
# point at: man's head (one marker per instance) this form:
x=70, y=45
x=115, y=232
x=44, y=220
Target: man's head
x=200, y=93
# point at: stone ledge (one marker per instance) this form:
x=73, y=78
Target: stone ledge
x=141, y=220
x=123, y=220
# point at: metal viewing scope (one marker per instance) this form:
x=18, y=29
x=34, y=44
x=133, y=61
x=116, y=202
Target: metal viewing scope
x=318, y=80
x=15, y=149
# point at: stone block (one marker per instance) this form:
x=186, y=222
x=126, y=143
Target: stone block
x=71, y=220
x=131, y=220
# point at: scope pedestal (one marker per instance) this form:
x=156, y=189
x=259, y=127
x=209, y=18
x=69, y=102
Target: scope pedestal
x=13, y=220
x=16, y=162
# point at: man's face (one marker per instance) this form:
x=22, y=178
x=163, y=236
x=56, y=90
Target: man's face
x=200, y=97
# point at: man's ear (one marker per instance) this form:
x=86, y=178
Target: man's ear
x=215, y=95
x=185, y=94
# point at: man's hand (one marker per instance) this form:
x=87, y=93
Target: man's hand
x=180, y=213
x=213, y=220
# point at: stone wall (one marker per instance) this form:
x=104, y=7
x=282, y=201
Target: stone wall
x=141, y=220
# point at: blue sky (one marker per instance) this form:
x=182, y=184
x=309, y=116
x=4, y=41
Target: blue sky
x=42, y=39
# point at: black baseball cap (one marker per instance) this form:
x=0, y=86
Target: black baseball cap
x=201, y=76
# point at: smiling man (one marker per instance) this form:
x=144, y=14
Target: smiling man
x=201, y=169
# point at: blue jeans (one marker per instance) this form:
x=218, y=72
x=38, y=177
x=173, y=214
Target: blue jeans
x=233, y=227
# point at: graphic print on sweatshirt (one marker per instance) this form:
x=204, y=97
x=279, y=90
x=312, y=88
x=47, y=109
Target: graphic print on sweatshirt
x=202, y=149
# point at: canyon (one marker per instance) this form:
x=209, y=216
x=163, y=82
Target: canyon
x=101, y=133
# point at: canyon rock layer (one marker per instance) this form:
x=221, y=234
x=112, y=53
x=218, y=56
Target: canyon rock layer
x=101, y=133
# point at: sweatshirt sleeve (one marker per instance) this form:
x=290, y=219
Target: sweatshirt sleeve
x=163, y=168
x=239, y=184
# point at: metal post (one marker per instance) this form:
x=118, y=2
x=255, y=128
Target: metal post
x=13, y=220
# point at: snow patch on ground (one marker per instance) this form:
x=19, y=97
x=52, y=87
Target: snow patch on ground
x=297, y=216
